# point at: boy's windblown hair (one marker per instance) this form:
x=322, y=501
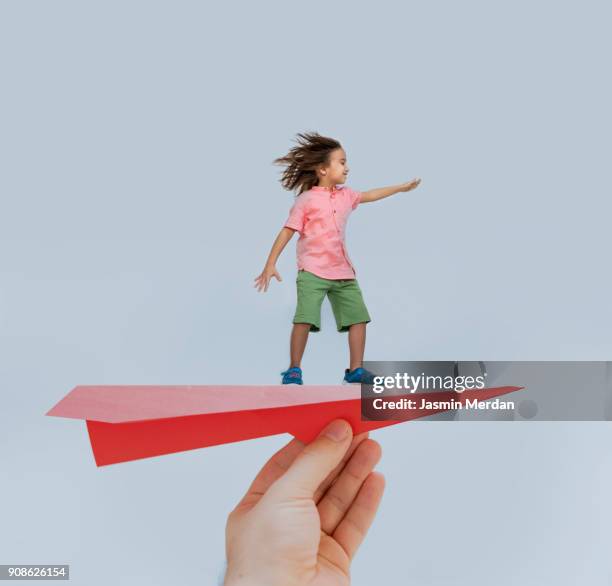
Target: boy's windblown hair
x=302, y=160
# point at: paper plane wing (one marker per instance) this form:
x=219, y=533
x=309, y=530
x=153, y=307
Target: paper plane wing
x=137, y=421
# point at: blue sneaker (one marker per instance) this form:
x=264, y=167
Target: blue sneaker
x=358, y=376
x=292, y=376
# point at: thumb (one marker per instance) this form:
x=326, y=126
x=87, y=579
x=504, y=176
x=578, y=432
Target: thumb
x=278, y=277
x=315, y=462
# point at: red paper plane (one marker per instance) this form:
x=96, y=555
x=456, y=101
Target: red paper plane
x=133, y=422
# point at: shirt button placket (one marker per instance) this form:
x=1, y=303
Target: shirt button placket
x=334, y=211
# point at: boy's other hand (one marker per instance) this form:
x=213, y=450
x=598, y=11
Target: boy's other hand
x=410, y=185
x=262, y=281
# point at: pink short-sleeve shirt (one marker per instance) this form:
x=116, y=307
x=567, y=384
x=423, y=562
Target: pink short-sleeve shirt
x=320, y=216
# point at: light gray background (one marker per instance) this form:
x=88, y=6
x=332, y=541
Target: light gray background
x=139, y=202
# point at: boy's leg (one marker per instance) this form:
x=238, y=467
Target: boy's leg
x=351, y=315
x=356, y=338
x=299, y=337
x=311, y=291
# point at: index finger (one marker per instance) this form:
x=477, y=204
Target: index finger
x=273, y=469
x=280, y=462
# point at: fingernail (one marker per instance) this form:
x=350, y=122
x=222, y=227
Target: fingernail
x=337, y=430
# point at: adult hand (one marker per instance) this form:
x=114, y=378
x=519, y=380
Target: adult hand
x=306, y=513
x=261, y=281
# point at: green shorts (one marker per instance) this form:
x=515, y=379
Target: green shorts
x=344, y=295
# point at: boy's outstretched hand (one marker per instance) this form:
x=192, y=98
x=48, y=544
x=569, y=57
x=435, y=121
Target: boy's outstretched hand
x=306, y=513
x=410, y=185
x=262, y=281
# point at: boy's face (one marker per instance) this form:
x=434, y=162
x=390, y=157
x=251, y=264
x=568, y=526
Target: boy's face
x=337, y=169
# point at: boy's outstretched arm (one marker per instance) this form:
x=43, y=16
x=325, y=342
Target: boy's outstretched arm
x=262, y=281
x=382, y=192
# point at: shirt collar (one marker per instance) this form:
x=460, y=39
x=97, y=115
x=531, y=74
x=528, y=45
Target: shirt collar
x=320, y=188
